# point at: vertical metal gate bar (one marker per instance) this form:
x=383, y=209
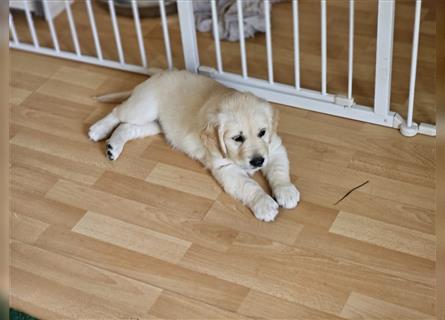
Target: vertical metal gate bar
x=52, y=30
x=188, y=35
x=296, y=44
x=241, y=38
x=323, y=47
x=137, y=25
x=219, y=65
x=117, y=36
x=168, y=51
x=30, y=21
x=268, y=40
x=351, y=48
x=15, y=38
x=383, y=64
x=72, y=27
x=94, y=29
x=412, y=81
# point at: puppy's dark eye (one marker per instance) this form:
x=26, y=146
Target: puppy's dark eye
x=239, y=138
x=262, y=133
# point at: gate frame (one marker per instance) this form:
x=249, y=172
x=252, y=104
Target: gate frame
x=312, y=100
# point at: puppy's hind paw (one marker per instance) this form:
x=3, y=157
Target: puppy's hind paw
x=265, y=209
x=287, y=195
x=112, y=152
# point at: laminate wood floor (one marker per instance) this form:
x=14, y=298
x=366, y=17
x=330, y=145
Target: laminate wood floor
x=152, y=236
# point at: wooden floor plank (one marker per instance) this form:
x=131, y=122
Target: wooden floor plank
x=374, y=257
x=409, y=216
x=152, y=194
x=85, y=152
x=57, y=166
x=83, y=78
x=29, y=307
x=54, y=298
x=68, y=91
x=176, y=223
x=309, y=149
x=172, y=277
x=174, y=306
x=316, y=271
x=382, y=187
x=37, y=207
x=132, y=237
x=160, y=151
x=396, y=170
x=57, y=106
x=26, y=80
x=361, y=306
x=249, y=270
x=39, y=65
x=386, y=235
x=18, y=95
x=25, y=229
x=202, y=185
x=71, y=283
x=417, y=152
x=72, y=129
x=262, y=305
x=25, y=178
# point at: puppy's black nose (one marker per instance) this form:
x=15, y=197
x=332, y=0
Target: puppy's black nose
x=257, y=161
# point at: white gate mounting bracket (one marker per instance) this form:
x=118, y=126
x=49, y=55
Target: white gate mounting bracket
x=422, y=128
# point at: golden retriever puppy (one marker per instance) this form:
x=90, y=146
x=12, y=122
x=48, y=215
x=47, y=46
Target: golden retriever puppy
x=233, y=134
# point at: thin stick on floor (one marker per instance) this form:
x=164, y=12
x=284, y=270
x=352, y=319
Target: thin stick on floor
x=349, y=192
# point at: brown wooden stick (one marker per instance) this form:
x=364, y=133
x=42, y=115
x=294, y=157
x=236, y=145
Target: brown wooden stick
x=347, y=194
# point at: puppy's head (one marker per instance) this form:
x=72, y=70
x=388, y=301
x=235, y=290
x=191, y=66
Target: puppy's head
x=240, y=128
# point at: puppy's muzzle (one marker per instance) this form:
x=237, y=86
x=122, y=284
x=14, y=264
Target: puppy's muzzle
x=257, y=161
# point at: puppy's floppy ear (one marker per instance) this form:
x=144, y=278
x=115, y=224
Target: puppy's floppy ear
x=222, y=145
x=212, y=137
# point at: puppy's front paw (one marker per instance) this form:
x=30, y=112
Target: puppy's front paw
x=265, y=208
x=287, y=195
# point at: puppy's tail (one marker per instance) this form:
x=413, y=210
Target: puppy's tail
x=113, y=97
x=117, y=97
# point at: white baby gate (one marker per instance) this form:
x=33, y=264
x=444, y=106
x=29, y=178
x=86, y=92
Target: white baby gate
x=295, y=96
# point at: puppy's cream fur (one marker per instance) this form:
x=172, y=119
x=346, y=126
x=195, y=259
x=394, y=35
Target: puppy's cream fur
x=205, y=120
